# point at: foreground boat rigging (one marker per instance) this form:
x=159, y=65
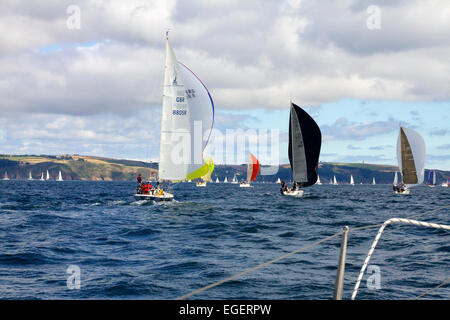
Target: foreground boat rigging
x=342, y=257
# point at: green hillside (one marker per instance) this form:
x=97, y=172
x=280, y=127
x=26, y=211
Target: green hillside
x=75, y=167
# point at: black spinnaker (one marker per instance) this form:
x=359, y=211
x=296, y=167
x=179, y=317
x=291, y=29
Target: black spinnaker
x=305, y=141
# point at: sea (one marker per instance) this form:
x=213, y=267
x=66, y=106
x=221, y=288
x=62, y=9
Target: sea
x=93, y=240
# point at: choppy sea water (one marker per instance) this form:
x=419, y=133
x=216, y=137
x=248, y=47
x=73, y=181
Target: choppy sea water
x=127, y=249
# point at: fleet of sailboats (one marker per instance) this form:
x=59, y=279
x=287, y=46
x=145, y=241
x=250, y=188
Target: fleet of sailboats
x=188, y=105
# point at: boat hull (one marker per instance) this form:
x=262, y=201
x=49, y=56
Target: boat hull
x=245, y=185
x=152, y=197
x=296, y=193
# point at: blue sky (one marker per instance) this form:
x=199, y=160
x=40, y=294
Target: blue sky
x=374, y=132
x=96, y=89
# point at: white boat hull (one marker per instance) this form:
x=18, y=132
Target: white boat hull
x=201, y=184
x=296, y=193
x=153, y=197
x=245, y=185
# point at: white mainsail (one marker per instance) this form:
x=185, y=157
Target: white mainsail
x=60, y=177
x=187, y=116
x=48, y=176
x=396, y=178
x=225, y=180
x=42, y=177
x=335, y=181
x=411, y=156
x=352, y=181
x=373, y=181
x=278, y=181
x=319, y=183
x=30, y=177
x=6, y=176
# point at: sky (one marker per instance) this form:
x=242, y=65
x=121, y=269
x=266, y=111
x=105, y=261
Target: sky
x=85, y=77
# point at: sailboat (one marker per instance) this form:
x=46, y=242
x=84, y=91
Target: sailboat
x=319, y=183
x=48, y=176
x=30, y=177
x=225, y=180
x=411, y=160
x=252, y=171
x=234, y=180
x=305, y=141
x=352, y=181
x=278, y=181
x=217, y=180
x=431, y=179
x=59, y=176
x=42, y=177
x=207, y=177
x=373, y=181
x=446, y=184
x=187, y=108
x=6, y=176
x=335, y=183
x=395, y=179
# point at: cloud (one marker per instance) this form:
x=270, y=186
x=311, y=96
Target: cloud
x=344, y=129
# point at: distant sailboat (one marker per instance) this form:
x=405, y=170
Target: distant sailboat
x=48, y=176
x=252, y=171
x=446, y=184
x=217, y=180
x=335, y=183
x=186, y=106
x=207, y=177
x=278, y=181
x=352, y=181
x=225, y=180
x=411, y=159
x=42, y=177
x=319, y=183
x=6, y=176
x=59, y=177
x=431, y=179
x=30, y=177
x=373, y=181
x=234, y=180
x=305, y=141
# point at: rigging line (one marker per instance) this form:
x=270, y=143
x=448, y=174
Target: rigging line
x=431, y=290
x=258, y=267
x=410, y=217
x=377, y=238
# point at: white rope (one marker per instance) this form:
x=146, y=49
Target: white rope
x=377, y=238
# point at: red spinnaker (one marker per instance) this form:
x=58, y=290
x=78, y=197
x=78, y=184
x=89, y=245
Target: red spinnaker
x=253, y=165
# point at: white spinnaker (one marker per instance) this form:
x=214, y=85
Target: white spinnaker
x=201, y=108
x=175, y=156
x=418, y=150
